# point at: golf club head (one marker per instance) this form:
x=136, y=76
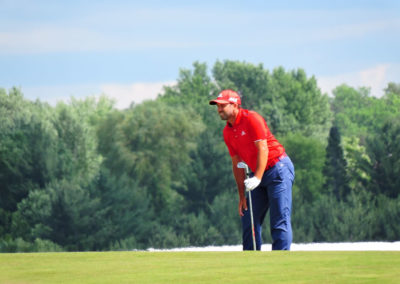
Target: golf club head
x=242, y=165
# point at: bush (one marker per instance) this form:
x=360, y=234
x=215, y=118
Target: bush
x=20, y=245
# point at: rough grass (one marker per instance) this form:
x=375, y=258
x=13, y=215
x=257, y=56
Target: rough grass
x=201, y=267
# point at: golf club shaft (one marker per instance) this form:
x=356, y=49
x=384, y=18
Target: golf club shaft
x=244, y=166
x=252, y=222
x=253, y=233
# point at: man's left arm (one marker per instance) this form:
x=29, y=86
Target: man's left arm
x=262, y=159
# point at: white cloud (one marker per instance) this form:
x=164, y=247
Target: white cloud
x=137, y=92
x=376, y=78
x=56, y=93
x=123, y=94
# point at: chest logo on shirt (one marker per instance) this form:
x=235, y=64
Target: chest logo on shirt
x=243, y=133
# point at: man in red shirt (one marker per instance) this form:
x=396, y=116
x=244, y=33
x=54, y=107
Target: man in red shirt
x=249, y=139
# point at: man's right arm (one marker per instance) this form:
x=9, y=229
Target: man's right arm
x=239, y=175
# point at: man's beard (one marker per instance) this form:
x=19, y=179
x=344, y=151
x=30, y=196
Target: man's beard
x=223, y=116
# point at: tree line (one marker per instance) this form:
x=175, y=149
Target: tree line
x=84, y=175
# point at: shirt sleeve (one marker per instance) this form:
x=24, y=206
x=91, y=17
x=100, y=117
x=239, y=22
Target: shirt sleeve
x=258, y=128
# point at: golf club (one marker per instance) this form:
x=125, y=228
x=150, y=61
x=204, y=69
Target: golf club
x=242, y=165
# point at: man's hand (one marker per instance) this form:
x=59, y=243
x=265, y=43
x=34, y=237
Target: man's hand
x=251, y=183
x=242, y=205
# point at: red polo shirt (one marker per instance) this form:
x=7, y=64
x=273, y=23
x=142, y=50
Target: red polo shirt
x=249, y=127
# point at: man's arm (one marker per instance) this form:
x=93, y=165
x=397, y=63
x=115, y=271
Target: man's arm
x=239, y=175
x=262, y=158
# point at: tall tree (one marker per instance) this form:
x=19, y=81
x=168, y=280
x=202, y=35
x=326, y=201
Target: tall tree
x=392, y=88
x=248, y=79
x=64, y=213
x=210, y=174
x=358, y=114
x=358, y=163
x=335, y=166
x=289, y=101
x=308, y=156
x=27, y=156
x=384, y=150
x=151, y=143
x=77, y=156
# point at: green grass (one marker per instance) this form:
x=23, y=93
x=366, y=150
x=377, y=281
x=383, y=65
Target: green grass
x=201, y=267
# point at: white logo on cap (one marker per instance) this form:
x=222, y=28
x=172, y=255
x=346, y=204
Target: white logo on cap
x=233, y=100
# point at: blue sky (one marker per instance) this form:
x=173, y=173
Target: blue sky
x=129, y=49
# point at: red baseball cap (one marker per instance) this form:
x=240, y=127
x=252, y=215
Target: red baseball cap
x=227, y=97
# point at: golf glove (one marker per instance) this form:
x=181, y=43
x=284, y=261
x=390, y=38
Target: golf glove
x=251, y=183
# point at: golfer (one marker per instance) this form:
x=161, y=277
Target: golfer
x=249, y=140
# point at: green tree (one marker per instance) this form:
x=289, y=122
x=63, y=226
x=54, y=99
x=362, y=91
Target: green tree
x=358, y=163
x=350, y=108
x=64, y=213
x=335, y=167
x=249, y=80
x=39, y=146
x=128, y=214
x=392, y=88
x=308, y=157
x=386, y=225
x=210, y=174
x=384, y=151
x=27, y=156
x=77, y=157
x=306, y=109
x=361, y=119
x=21, y=167
x=342, y=220
x=289, y=101
x=193, y=89
x=225, y=218
x=151, y=144
x=357, y=113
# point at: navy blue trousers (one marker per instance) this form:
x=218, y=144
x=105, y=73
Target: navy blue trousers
x=273, y=193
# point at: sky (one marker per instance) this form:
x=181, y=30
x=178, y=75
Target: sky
x=129, y=50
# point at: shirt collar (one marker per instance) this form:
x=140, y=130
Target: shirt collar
x=238, y=118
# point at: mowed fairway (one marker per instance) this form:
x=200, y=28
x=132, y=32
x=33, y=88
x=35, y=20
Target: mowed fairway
x=201, y=267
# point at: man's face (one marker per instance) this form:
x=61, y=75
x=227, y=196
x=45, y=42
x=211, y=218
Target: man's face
x=225, y=111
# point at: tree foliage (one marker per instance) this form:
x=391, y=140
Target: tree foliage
x=335, y=169
x=84, y=175
x=384, y=150
x=289, y=101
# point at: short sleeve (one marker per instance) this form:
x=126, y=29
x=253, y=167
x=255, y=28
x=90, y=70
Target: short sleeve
x=258, y=127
